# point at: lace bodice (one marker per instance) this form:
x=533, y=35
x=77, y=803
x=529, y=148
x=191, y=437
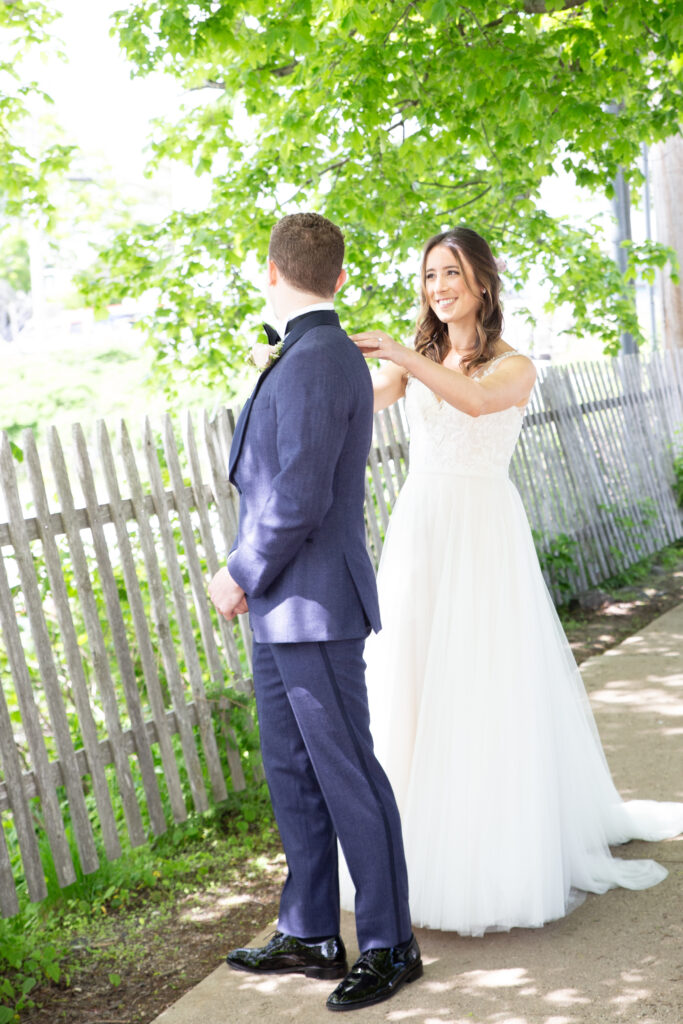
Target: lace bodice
x=445, y=440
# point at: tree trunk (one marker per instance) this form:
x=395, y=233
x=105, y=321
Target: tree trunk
x=666, y=161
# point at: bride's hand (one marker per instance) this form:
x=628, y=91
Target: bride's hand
x=378, y=345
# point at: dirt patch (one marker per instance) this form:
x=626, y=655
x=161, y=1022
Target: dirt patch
x=625, y=610
x=154, y=960
x=149, y=962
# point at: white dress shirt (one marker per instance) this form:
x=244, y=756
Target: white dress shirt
x=282, y=324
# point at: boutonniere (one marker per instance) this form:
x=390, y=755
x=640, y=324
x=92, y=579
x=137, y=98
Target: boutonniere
x=264, y=355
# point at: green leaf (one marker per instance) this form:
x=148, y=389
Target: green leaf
x=395, y=122
x=52, y=971
x=17, y=452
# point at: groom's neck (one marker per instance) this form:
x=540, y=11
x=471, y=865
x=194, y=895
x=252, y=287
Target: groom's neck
x=289, y=300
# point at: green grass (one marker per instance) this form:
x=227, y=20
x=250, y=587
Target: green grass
x=668, y=558
x=106, y=376
x=42, y=942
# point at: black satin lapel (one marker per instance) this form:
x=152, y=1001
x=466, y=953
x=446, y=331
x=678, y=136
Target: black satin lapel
x=238, y=436
x=241, y=424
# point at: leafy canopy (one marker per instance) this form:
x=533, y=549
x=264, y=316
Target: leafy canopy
x=396, y=120
x=25, y=174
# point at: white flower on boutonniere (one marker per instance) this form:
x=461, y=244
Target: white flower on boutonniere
x=264, y=355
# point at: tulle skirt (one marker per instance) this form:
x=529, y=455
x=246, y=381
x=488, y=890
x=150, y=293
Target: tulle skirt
x=482, y=722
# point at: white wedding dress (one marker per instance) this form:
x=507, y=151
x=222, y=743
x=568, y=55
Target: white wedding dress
x=478, y=711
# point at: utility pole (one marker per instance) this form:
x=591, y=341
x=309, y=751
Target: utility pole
x=648, y=234
x=621, y=208
x=666, y=161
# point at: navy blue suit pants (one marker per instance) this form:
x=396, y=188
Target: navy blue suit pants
x=326, y=783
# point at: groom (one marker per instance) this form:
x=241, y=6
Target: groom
x=300, y=566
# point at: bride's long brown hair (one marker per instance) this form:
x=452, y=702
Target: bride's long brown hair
x=431, y=336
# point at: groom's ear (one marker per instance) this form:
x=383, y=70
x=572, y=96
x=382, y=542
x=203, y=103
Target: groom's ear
x=272, y=273
x=341, y=281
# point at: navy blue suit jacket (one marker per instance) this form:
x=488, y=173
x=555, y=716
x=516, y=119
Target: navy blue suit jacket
x=298, y=459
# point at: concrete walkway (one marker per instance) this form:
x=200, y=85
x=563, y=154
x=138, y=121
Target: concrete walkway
x=618, y=959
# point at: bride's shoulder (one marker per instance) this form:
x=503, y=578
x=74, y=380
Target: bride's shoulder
x=512, y=359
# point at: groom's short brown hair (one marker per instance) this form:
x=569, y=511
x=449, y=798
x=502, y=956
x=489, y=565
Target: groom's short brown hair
x=308, y=250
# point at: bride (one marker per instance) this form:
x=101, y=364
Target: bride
x=477, y=707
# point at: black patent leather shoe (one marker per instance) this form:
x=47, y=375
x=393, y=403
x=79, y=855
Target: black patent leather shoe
x=285, y=954
x=377, y=975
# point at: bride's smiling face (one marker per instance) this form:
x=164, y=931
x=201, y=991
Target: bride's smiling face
x=452, y=291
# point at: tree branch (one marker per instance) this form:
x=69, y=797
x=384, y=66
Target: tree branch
x=335, y=166
x=405, y=105
x=282, y=72
x=475, y=19
x=413, y=3
x=208, y=84
x=461, y=184
x=408, y=103
x=371, y=294
x=537, y=7
x=461, y=206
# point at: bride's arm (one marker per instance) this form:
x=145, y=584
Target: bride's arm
x=511, y=383
x=389, y=384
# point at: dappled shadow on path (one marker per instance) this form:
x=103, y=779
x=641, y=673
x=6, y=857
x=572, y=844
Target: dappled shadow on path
x=614, y=960
x=636, y=690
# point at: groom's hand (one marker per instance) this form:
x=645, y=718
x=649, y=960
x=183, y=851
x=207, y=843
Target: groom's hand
x=228, y=597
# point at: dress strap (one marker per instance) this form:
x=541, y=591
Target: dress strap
x=494, y=362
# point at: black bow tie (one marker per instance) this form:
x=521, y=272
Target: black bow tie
x=273, y=336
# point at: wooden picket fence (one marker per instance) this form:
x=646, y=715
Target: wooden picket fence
x=119, y=685
x=94, y=686
x=594, y=467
